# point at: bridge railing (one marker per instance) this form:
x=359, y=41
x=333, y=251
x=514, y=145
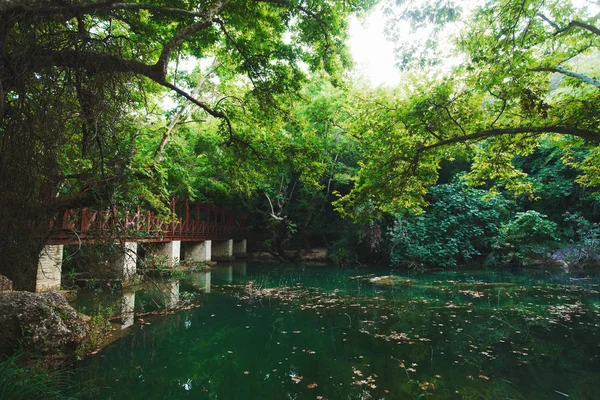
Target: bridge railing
x=188, y=221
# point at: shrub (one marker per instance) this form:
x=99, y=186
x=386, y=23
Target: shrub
x=528, y=232
x=583, y=237
x=459, y=224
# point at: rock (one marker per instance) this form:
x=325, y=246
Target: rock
x=260, y=255
x=5, y=284
x=42, y=323
x=315, y=255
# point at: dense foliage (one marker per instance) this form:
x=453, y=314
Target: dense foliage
x=85, y=88
x=246, y=104
x=458, y=226
x=524, y=77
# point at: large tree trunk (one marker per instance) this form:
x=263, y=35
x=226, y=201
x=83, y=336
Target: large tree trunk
x=23, y=234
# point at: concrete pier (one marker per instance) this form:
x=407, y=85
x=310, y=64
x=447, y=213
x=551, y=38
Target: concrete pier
x=169, y=250
x=49, y=268
x=222, y=250
x=198, y=251
x=128, y=262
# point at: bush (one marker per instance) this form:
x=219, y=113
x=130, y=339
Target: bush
x=528, y=233
x=459, y=224
x=583, y=237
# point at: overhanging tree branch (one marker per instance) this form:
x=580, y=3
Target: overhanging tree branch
x=88, y=60
x=581, y=25
x=308, y=12
x=585, y=134
x=204, y=106
x=561, y=70
x=237, y=47
x=96, y=62
x=575, y=23
x=158, y=154
x=39, y=8
x=233, y=138
x=182, y=35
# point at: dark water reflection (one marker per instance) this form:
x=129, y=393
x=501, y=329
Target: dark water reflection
x=310, y=332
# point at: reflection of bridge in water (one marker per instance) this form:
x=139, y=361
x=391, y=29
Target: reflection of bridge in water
x=195, y=232
x=165, y=293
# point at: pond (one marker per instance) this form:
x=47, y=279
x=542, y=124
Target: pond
x=267, y=331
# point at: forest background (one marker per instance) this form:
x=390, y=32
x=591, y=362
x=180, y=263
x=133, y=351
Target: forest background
x=491, y=158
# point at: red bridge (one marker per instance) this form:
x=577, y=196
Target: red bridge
x=189, y=221
x=192, y=232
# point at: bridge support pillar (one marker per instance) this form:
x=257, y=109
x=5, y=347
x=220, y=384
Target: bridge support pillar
x=170, y=250
x=128, y=262
x=49, y=268
x=239, y=248
x=222, y=250
x=198, y=251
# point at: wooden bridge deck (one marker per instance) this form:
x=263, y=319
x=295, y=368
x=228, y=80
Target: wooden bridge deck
x=189, y=221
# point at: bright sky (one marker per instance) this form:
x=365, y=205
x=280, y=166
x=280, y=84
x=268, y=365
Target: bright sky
x=372, y=52
x=374, y=55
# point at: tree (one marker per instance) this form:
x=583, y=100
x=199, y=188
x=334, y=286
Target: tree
x=301, y=165
x=457, y=227
x=526, y=74
x=78, y=81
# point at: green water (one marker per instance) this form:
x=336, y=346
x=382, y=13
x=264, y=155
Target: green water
x=310, y=332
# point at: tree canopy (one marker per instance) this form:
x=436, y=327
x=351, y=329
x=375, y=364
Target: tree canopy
x=119, y=104
x=525, y=76
x=83, y=86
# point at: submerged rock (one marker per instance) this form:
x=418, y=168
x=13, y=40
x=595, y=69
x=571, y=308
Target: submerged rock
x=43, y=323
x=391, y=280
